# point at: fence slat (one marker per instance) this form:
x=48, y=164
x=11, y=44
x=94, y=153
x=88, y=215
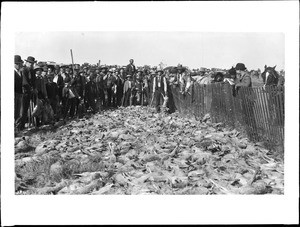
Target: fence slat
x=258, y=112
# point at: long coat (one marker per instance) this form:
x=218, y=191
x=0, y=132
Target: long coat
x=130, y=69
x=18, y=82
x=28, y=79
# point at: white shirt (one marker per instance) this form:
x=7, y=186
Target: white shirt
x=55, y=78
x=18, y=72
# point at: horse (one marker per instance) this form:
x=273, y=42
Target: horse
x=270, y=76
x=273, y=85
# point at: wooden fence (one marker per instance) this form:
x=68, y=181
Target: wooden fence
x=257, y=112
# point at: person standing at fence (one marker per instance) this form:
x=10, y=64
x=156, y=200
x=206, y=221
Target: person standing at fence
x=247, y=95
x=243, y=76
x=18, y=86
x=160, y=90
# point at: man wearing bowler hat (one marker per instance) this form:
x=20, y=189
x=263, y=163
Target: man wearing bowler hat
x=243, y=77
x=29, y=89
x=59, y=80
x=244, y=80
x=18, y=86
x=159, y=89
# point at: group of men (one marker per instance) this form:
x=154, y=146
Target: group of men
x=73, y=91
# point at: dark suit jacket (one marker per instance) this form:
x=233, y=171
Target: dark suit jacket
x=130, y=69
x=28, y=79
x=18, y=83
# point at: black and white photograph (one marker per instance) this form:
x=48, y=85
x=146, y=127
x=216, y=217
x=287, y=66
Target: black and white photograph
x=194, y=124
x=124, y=109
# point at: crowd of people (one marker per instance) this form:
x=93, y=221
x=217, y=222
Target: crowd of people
x=69, y=91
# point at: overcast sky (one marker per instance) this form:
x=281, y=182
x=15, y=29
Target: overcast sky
x=193, y=49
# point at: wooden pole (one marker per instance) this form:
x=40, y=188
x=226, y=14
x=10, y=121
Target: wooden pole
x=72, y=61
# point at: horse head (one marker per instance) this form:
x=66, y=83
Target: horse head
x=218, y=77
x=270, y=76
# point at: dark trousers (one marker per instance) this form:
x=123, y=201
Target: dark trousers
x=91, y=103
x=69, y=107
x=24, y=111
x=53, y=104
x=119, y=97
x=145, y=96
x=109, y=96
x=158, y=99
x=60, y=88
x=18, y=105
x=102, y=97
x=126, y=98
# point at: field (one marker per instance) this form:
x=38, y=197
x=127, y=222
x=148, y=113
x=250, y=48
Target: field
x=134, y=150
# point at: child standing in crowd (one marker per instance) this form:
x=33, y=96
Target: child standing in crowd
x=127, y=91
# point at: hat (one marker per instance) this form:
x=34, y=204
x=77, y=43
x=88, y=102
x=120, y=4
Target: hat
x=18, y=59
x=202, y=69
x=128, y=76
x=179, y=67
x=37, y=67
x=45, y=68
x=240, y=66
x=31, y=59
x=56, y=66
x=160, y=70
x=152, y=72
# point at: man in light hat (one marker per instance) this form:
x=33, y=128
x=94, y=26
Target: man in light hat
x=127, y=91
x=159, y=89
x=18, y=86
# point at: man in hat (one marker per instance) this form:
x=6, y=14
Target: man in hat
x=100, y=85
x=159, y=89
x=69, y=98
x=59, y=80
x=244, y=80
x=130, y=68
x=243, y=76
x=127, y=90
x=182, y=78
x=91, y=93
x=137, y=85
x=40, y=84
x=109, y=81
x=18, y=86
x=119, y=88
x=146, y=88
x=28, y=89
x=52, y=92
